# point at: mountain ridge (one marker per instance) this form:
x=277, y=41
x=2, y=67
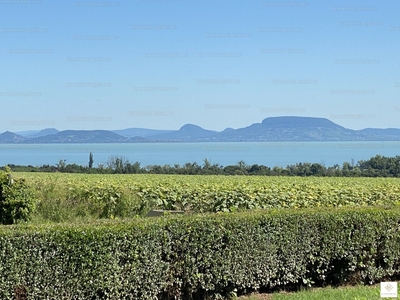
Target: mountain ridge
x=272, y=129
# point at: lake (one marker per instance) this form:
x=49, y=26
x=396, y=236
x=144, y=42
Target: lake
x=265, y=153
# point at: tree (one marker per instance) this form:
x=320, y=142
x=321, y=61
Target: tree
x=318, y=169
x=119, y=165
x=241, y=164
x=90, y=160
x=346, y=169
x=206, y=164
x=101, y=168
x=258, y=170
x=116, y=164
x=61, y=165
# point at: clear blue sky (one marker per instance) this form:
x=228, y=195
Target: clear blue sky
x=163, y=63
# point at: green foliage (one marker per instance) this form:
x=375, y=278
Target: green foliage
x=73, y=197
x=200, y=257
x=378, y=166
x=91, y=161
x=64, y=196
x=17, y=201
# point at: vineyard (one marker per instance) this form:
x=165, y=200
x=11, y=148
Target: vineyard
x=109, y=196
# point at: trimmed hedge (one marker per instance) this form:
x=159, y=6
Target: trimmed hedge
x=199, y=257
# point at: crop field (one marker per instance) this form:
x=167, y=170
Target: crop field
x=109, y=196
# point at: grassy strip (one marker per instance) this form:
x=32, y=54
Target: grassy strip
x=329, y=293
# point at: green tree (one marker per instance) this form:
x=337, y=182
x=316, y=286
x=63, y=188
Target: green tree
x=318, y=169
x=241, y=164
x=61, y=165
x=91, y=160
x=206, y=164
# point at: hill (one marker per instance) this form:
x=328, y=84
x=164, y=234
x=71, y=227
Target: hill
x=79, y=136
x=273, y=129
x=140, y=132
x=187, y=133
x=11, y=138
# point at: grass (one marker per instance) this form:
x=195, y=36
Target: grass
x=328, y=293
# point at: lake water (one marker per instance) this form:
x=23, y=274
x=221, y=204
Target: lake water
x=266, y=153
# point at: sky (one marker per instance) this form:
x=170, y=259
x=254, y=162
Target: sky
x=160, y=64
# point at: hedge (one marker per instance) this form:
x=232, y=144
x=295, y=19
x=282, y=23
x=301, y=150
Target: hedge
x=201, y=256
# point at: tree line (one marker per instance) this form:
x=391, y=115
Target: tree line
x=377, y=166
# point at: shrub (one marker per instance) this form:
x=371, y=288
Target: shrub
x=17, y=201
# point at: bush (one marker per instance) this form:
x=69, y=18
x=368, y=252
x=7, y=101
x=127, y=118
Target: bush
x=200, y=257
x=17, y=201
